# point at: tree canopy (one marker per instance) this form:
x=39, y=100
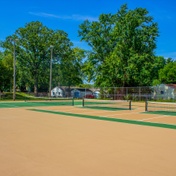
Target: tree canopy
x=33, y=50
x=168, y=73
x=122, y=48
x=6, y=72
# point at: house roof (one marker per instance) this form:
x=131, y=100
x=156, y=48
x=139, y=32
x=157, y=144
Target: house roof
x=57, y=88
x=172, y=85
x=82, y=90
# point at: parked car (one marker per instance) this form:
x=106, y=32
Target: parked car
x=89, y=96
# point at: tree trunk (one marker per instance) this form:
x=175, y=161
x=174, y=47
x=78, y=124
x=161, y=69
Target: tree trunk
x=69, y=91
x=36, y=87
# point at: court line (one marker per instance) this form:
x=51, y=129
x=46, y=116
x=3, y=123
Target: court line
x=156, y=117
x=94, y=113
x=91, y=111
x=135, y=122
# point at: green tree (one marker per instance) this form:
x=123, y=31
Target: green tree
x=71, y=68
x=167, y=75
x=168, y=60
x=6, y=71
x=33, y=53
x=1, y=73
x=159, y=64
x=122, y=48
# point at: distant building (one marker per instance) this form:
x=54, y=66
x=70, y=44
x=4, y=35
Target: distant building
x=81, y=93
x=57, y=92
x=164, y=91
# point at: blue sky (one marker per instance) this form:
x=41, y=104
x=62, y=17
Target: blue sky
x=67, y=15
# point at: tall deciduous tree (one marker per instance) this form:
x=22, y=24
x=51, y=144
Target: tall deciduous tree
x=122, y=48
x=72, y=67
x=34, y=53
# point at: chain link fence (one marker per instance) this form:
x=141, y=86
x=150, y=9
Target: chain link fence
x=160, y=92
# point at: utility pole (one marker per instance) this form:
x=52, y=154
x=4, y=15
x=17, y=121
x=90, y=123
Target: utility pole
x=14, y=68
x=50, y=83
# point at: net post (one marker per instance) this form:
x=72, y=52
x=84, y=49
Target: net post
x=83, y=102
x=130, y=105
x=146, y=105
x=72, y=101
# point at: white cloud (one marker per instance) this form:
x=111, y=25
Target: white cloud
x=72, y=17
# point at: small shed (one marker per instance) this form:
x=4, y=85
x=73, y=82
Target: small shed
x=57, y=92
x=81, y=92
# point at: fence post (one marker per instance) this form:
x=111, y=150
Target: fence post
x=130, y=105
x=146, y=105
x=72, y=101
x=139, y=93
x=83, y=102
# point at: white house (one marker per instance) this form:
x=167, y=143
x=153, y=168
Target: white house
x=164, y=91
x=57, y=92
x=81, y=93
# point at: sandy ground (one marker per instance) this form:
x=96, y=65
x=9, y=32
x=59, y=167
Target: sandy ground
x=41, y=144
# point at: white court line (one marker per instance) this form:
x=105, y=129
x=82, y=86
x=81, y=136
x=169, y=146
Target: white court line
x=89, y=113
x=89, y=110
x=70, y=113
x=110, y=112
x=156, y=117
x=126, y=113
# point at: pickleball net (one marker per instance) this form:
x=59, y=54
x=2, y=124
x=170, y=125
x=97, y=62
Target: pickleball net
x=160, y=107
x=106, y=104
x=51, y=101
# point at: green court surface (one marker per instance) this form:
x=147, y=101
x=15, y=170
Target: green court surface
x=120, y=120
x=169, y=113
x=36, y=103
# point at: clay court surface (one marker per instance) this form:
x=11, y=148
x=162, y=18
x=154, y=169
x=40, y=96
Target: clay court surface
x=40, y=143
